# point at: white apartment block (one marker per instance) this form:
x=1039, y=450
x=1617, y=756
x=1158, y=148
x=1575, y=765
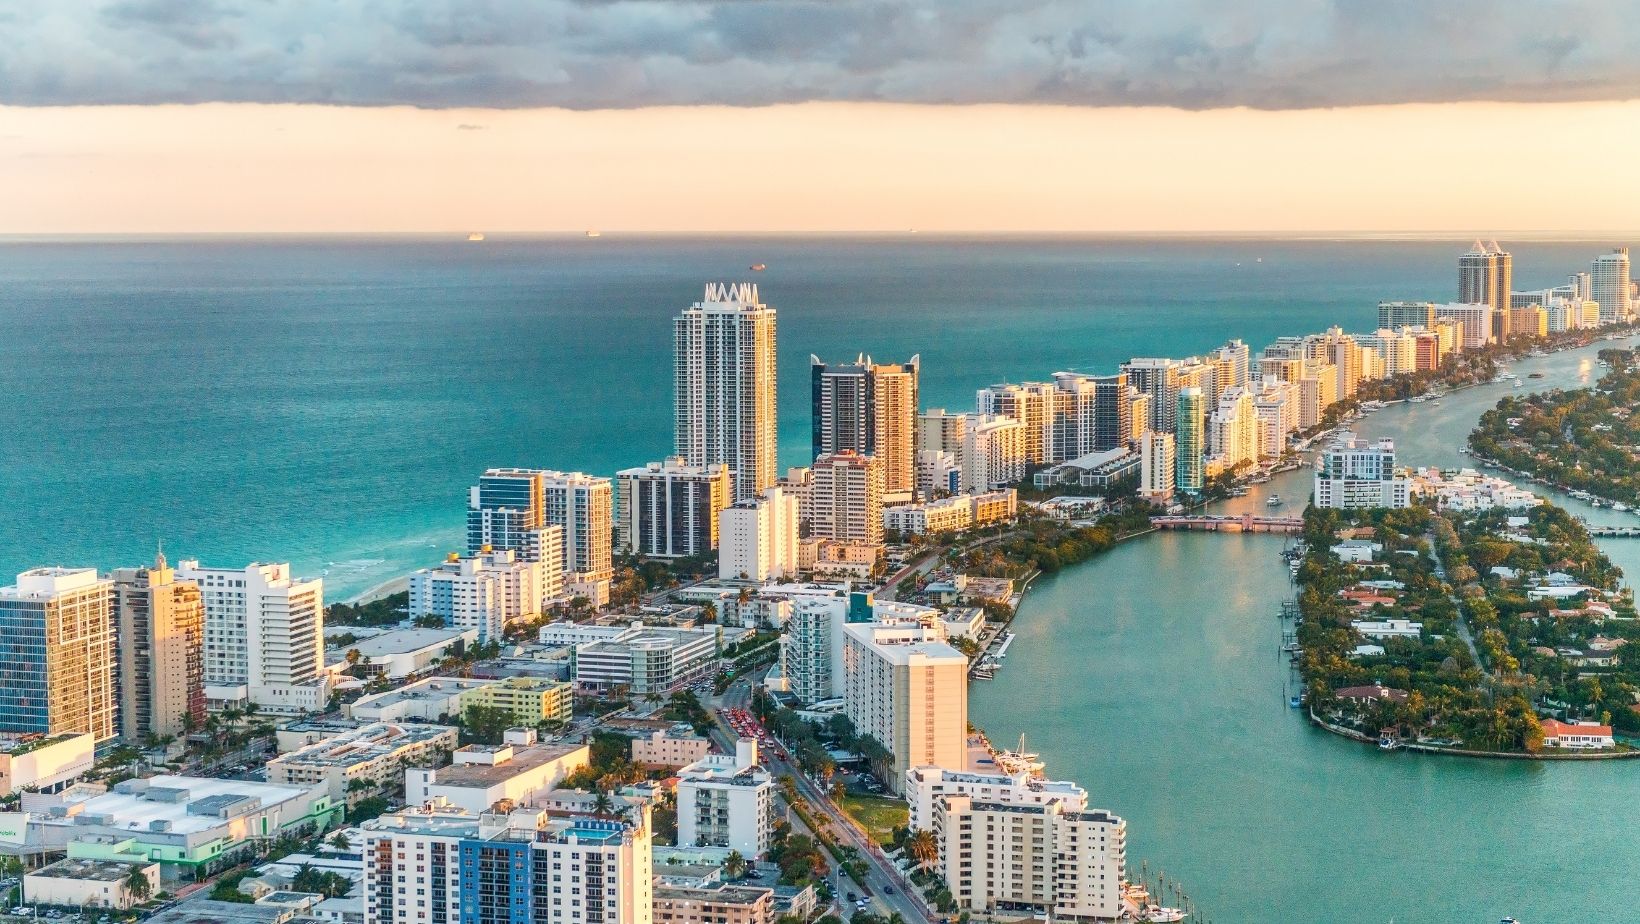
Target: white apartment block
x=376, y=755
x=1052, y=859
x=1157, y=467
x=846, y=498
x=907, y=688
x=1033, y=405
x=727, y=800
x=926, y=786
x=485, y=592
x=1610, y=287
x=582, y=505
x=757, y=538
x=1474, y=320
x=993, y=453
x=725, y=385
x=1356, y=474
x=1276, y=409
x=264, y=635
x=952, y=514
x=670, y=747
x=1233, y=430
x=480, y=775
x=412, y=866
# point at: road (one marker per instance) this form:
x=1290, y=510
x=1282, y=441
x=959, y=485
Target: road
x=1462, y=623
x=890, y=892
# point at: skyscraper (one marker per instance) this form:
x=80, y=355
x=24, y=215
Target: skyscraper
x=1158, y=378
x=161, y=652
x=846, y=499
x=1396, y=315
x=57, y=654
x=1486, y=276
x=1030, y=403
x=1609, y=285
x=1112, y=407
x=869, y=408
x=1190, y=443
x=264, y=635
x=725, y=381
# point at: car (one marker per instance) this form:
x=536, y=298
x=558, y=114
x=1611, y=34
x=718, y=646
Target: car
x=888, y=890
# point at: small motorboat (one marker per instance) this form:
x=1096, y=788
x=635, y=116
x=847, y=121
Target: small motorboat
x=476, y=236
x=1155, y=914
x=758, y=267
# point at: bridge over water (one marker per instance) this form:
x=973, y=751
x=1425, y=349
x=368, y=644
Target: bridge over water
x=1244, y=523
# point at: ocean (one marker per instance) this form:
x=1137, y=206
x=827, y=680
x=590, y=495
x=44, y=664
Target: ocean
x=327, y=400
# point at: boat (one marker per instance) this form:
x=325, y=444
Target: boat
x=1620, y=507
x=757, y=267
x=1155, y=914
x=1387, y=743
x=1274, y=501
x=595, y=234
x=1535, y=375
x=1294, y=702
x=476, y=236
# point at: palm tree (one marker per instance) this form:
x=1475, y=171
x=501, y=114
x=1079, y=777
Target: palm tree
x=603, y=804
x=923, y=847
x=137, y=885
x=340, y=841
x=734, y=865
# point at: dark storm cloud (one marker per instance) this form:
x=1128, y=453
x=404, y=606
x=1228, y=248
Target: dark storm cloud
x=1269, y=54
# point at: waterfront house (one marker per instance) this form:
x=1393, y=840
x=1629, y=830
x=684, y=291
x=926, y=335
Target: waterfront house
x=1370, y=694
x=1356, y=550
x=1586, y=736
x=1388, y=628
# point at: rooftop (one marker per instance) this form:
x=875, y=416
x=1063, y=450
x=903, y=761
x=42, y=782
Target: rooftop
x=403, y=641
x=74, y=868
x=188, y=804
x=365, y=744
x=424, y=689
x=523, y=760
x=211, y=911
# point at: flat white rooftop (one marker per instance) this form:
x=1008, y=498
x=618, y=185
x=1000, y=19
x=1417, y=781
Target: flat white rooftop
x=134, y=811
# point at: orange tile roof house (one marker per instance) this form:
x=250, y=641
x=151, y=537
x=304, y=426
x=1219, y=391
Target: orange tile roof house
x=1576, y=735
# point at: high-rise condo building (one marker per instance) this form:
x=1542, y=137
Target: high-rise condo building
x=264, y=636
x=1233, y=430
x=1190, y=445
x=988, y=449
x=161, y=652
x=757, y=538
x=869, y=408
x=1158, y=378
x=532, y=512
x=1396, y=315
x=1276, y=406
x=1030, y=403
x=1486, y=277
x=725, y=381
x=669, y=509
x=908, y=689
x=1158, y=467
x=1230, y=364
x=846, y=498
x=1051, y=859
x=57, y=642
x=1609, y=285
x=1355, y=473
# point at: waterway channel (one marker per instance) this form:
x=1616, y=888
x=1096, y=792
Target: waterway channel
x=1152, y=676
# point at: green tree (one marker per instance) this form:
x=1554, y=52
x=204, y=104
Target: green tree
x=137, y=885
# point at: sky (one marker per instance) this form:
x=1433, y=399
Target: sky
x=680, y=116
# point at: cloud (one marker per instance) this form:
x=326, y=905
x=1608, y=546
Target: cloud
x=590, y=54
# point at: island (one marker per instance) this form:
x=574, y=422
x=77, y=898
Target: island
x=1495, y=632
x=1583, y=441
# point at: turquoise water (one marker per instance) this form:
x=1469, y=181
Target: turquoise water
x=327, y=400
x=1152, y=675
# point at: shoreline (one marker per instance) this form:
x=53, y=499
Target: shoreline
x=386, y=588
x=1418, y=748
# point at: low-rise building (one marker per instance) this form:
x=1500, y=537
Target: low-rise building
x=673, y=747
x=717, y=903
x=433, y=699
x=1388, y=628
x=1103, y=470
x=1582, y=736
x=88, y=883
x=44, y=762
x=531, y=700
x=366, y=760
x=645, y=660
x=1356, y=550
x=727, y=800
x=183, y=823
x=403, y=652
x=480, y=776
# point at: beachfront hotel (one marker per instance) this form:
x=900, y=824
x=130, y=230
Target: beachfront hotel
x=869, y=408
x=725, y=385
x=57, y=638
x=264, y=636
x=485, y=592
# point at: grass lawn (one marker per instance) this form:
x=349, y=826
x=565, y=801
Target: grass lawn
x=878, y=815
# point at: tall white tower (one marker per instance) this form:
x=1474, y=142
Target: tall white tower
x=1609, y=284
x=725, y=380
